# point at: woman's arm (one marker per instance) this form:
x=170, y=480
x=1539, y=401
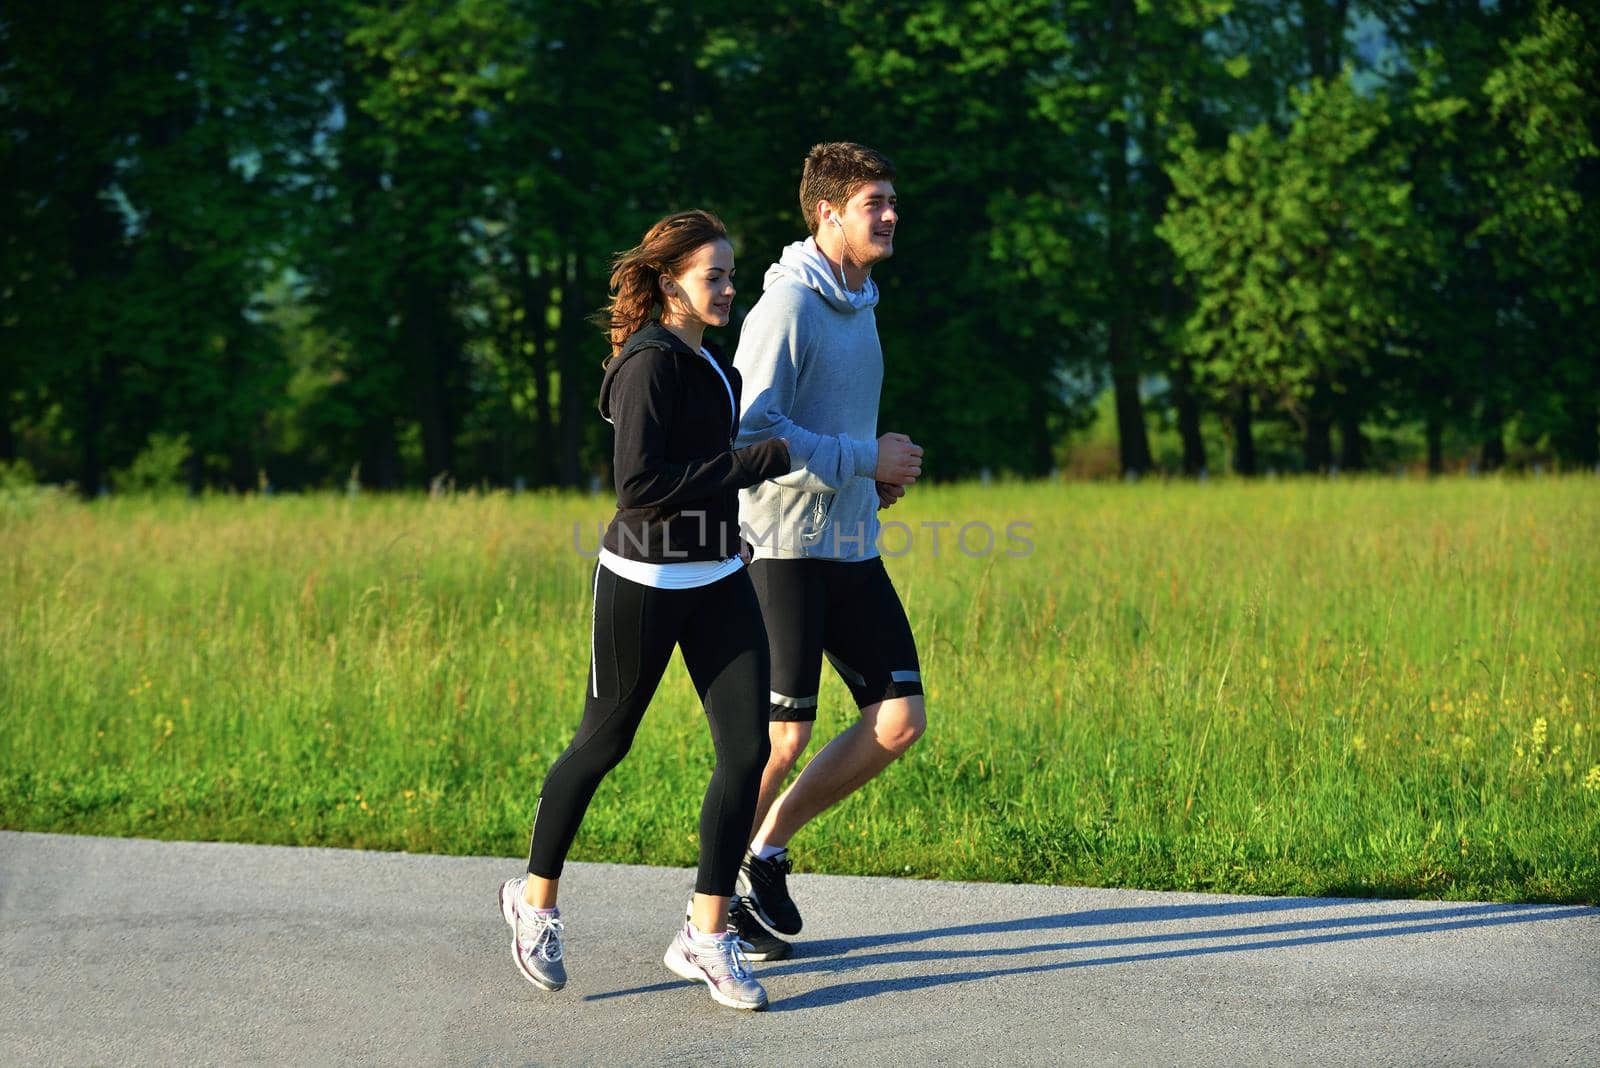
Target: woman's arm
x=644, y=401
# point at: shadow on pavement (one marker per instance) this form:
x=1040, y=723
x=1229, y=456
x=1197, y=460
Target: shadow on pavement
x=1308, y=933
x=845, y=955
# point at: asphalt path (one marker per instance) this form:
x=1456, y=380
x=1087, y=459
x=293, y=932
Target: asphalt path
x=125, y=951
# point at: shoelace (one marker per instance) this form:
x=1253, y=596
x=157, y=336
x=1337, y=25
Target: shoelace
x=730, y=958
x=546, y=935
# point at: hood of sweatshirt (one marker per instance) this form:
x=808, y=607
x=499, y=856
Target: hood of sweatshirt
x=805, y=262
x=651, y=335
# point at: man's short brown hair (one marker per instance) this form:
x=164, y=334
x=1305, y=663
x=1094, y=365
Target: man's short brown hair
x=834, y=171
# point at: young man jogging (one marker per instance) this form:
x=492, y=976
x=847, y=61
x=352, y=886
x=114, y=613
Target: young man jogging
x=813, y=371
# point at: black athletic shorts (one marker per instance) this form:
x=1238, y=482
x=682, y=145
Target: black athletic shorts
x=846, y=611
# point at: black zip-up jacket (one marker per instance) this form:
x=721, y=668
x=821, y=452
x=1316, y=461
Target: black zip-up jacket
x=677, y=473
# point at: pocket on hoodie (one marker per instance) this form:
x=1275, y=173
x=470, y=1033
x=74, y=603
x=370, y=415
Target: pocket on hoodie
x=852, y=520
x=815, y=512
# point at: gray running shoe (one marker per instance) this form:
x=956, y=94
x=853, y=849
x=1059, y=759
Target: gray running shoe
x=759, y=944
x=535, y=938
x=721, y=966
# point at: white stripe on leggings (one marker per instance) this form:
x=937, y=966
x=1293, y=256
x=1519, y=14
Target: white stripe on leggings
x=594, y=615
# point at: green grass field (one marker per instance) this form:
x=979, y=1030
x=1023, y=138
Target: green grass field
x=1301, y=687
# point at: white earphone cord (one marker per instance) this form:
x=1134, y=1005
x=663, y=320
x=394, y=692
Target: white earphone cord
x=847, y=249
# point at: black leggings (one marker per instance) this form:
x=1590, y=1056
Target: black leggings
x=724, y=647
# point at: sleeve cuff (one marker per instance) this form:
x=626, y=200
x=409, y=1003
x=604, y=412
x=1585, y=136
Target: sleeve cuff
x=778, y=461
x=768, y=458
x=866, y=454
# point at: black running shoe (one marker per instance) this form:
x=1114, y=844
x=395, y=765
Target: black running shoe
x=765, y=888
x=760, y=943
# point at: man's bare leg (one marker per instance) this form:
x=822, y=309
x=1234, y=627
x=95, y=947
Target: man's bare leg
x=789, y=741
x=884, y=732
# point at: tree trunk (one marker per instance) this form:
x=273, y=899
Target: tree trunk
x=536, y=337
x=1579, y=443
x=1133, y=445
x=1435, y=434
x=95, y=253
x=1188, y=405
x=91, y=472
x=1319, y=427
x=1132, y=441
x=570, y=344
x=8, y=436
x=244, y=467
x=1038, y=424
x=426, y=335
x=1319, y=443
x=1244, y=439
x=1180, y=370
x=380, y=453
x=1493, y=456
x=1587, y=450
x=244, y=471
x=1494, y=452
x=1352, y=443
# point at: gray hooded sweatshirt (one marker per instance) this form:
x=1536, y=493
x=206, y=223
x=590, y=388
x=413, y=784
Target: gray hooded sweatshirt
x=813, y=371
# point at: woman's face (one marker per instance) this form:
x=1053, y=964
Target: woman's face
x=703, y=290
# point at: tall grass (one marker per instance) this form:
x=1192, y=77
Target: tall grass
x=1345, y=687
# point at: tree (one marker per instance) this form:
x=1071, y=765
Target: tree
x=150, y=158
x=1544, y=102
x=1295, y=247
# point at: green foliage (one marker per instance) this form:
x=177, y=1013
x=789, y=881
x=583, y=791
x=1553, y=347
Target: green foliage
x=315, y=237
x=1543, y=95
x=1297, y=247
x=20, y=492
x=17, y=476
x=158, y=469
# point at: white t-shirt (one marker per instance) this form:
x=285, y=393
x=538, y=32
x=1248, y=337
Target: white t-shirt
x=688, y=574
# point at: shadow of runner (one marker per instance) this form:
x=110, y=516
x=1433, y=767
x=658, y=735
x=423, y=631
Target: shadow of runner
x=820, y=961
x=668, y=984
x=827, y=947
x=825, y=955
x=855, y=991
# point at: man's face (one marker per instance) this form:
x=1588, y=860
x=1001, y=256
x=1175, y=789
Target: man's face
x=868, y=222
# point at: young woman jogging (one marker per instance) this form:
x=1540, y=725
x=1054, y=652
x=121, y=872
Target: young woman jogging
x=670, y=575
